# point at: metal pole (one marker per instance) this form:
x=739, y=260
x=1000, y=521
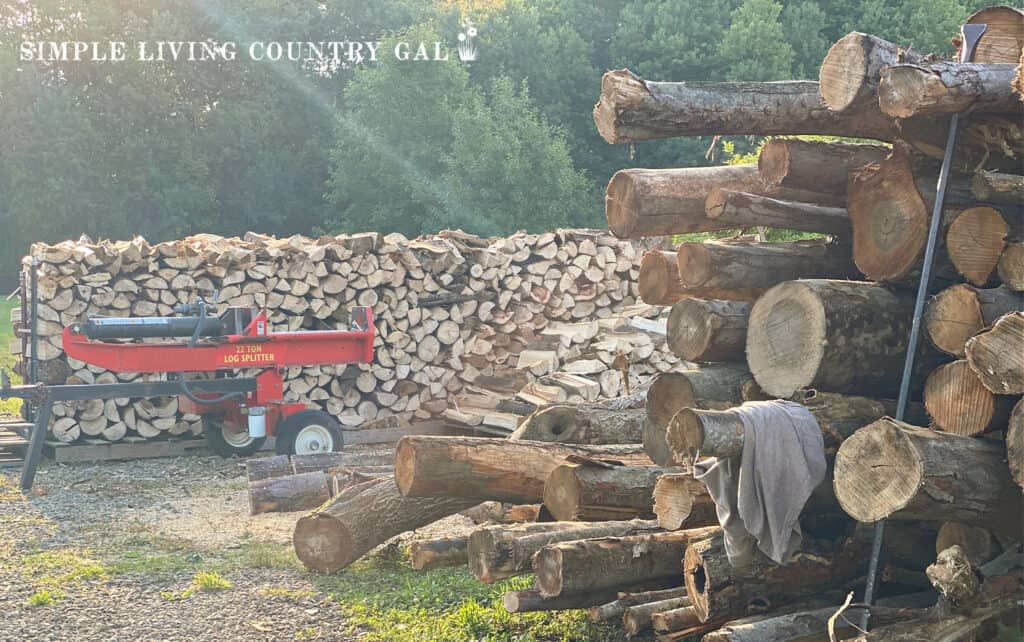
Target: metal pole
x=970, y=35
x=33, y=364
x=35, y=443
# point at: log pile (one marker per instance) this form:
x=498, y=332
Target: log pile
x=463, y=322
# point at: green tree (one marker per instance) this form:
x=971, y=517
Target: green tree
x=755, y=43
x=804, y=24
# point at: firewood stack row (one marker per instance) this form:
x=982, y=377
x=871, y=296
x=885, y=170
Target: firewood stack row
x=823, y=321
x=452, y=311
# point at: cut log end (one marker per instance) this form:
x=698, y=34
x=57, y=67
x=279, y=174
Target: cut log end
x=693, y=261
x=620, y=205
x=958, y=402
x=695, y=575
x=785, y=354
x=659, y=278
x=323, y=544
x=881, y=473
x=620, y=88
x=405, y=466
x=953, y=317
x=845, y=70
x=975, y=242
x=547, y=568
x=1011, y=266
x=562, y=493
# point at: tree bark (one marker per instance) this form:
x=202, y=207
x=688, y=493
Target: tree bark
x=998, y=188
x=814, y=165
x=617, y=608
x=290, y=493
x=637, y=619
x=1011, y=266
x=608, y=562
x=438, y=553
x=720, y=591
x=580, y=424
x=576, y=492
x=975, y=240
x=659, y=283
x=632, y=109
x=1015, y=443
x=978, y=544
x=259, y=468
x=716, y=386
x=530, y=601
x=837, y=336
x=890, y=469
x=742, y=265
x=946, y=88
x=498, y=552
x=361, y=518
x=959, y=403
x=680, y=500
x=708, y=330
x=852, y=68
x=734, y=209
x=482, y=468
x=959, y=312
x=680, y=619
x=995, y=355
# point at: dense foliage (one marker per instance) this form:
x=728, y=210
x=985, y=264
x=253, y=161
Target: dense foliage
x=506, y=142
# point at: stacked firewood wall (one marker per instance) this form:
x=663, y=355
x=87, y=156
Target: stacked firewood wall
x=823, y=321
x=455, y=314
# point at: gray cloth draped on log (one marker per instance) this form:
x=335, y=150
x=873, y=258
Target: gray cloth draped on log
x=759, y=498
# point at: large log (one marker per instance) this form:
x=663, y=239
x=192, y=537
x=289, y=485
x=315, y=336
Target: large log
x=995, y=354
x=438, y=553
x=680, y=500
x=482, y=468
x=708, y=329
x=1011, y=266
x=588, y=564
x=959, y=312
x=906, y=90
x=289, y=493
x=716, y=433
x=715, y=386
x=742, y=266
x=890, y=469
x=632, y=109
x=734, y=209
x=836, y=336
x=659, y=283
x=581, y=424
x=852, y=68
x=720, y=591
x=814, y=165
x=959, y=403
x=1015, y=443
x=362, y=517
x=575, y=492
x=498, y=552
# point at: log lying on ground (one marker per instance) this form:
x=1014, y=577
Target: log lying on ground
x=576, y=492
x=531, y=600
x=637, y=619
x=259, y=468
x=838, y=336
x=734, y=209
x=959, y=312
x=438, y=553
x=978, y=544
x=890, y=469
x=659, y=283
x=740, y=266
x=958, y=402
x=482, y=468
x=996, y=356
x=714, y=386
x=720, y=591
x=1011, y=266
x=852, y=68
x=680, y=500
x=681, y=620
x=498, y=552
x=290, y=493
x=625, y=599
x=1015, y=443
x=580, y=424
x=716, y=433
x=814, y=165
x=632, y=109
x=658, y=202
x=708, y=329
x=568, y=567
x=998, y=187
x=906, y=90
x=362, y=517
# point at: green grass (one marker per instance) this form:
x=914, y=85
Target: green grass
x=210, y=581
x=44, y=597
x=12, y=406
x=388, y=600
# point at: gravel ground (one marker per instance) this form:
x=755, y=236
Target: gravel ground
x=121, y=541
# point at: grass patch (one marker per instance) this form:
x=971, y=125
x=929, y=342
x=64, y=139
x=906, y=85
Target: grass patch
x=61, y=567
x=7, y=360
x=210, y=581
x=286, y=593
x=386, y=600
x=44, y=597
